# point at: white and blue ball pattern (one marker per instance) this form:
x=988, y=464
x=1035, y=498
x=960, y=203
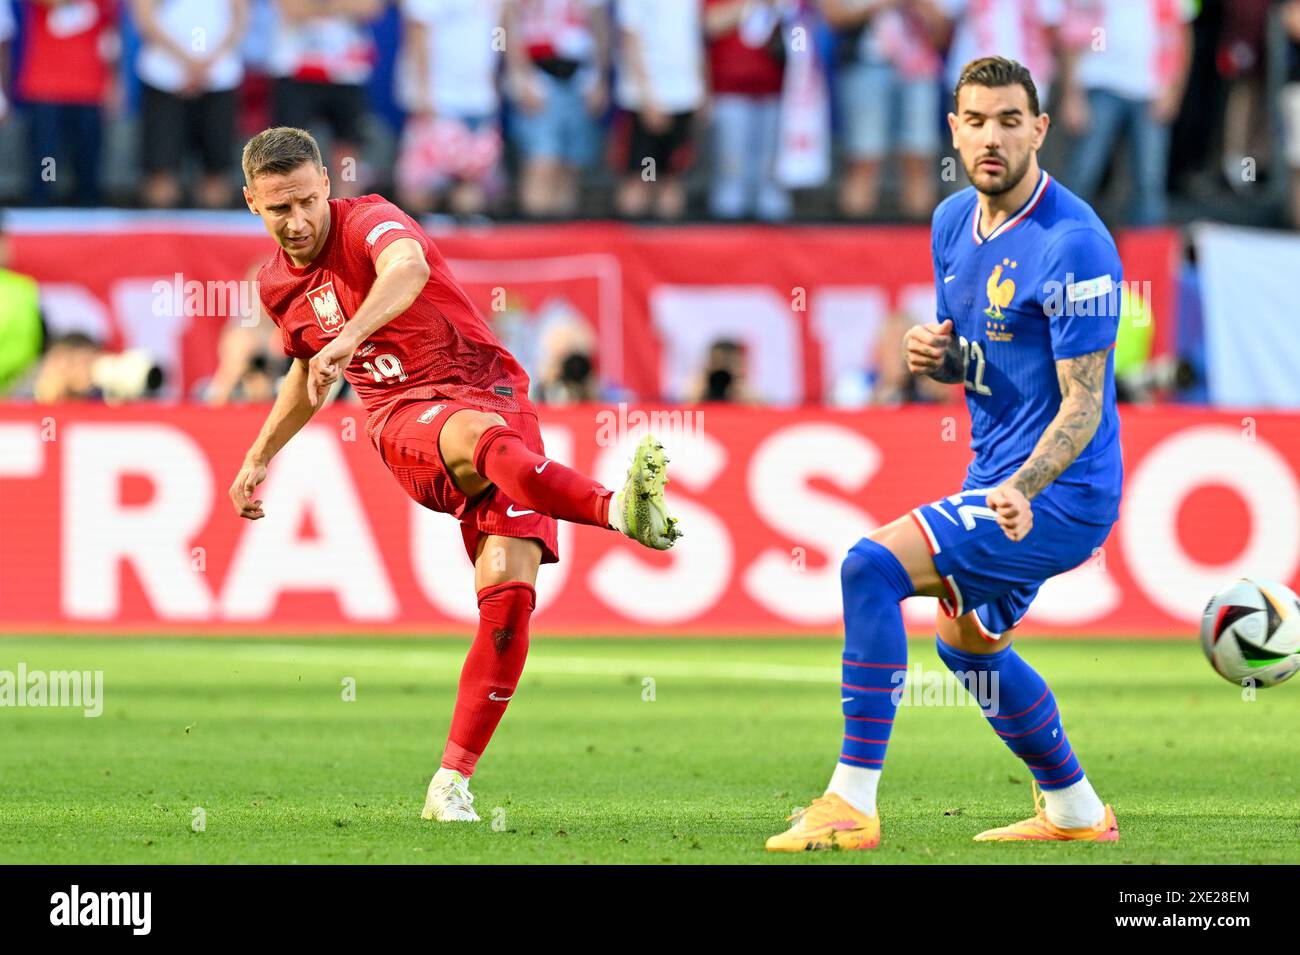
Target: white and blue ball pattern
x=1250, y=632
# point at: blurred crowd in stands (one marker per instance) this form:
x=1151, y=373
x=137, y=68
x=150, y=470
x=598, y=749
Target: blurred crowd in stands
x=731, y=110
x=724, y=109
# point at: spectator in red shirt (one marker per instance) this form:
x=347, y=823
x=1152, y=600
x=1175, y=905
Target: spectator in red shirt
x=64, y=80
x=1289, y=105
x=1247, y=117
x=746, y=68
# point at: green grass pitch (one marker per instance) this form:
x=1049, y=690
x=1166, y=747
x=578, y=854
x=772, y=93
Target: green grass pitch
x=586, y=768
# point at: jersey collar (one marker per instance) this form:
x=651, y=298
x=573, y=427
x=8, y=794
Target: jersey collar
x=1044, y=180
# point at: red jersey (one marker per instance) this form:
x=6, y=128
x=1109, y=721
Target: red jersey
x=440, y=347
x=63, y=59
x=736, y=67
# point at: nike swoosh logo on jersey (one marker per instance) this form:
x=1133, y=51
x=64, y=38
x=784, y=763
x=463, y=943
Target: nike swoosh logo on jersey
x=846, y=699
x=500, y=699
x=948, y=278
x=511, y=512
x=541, y=467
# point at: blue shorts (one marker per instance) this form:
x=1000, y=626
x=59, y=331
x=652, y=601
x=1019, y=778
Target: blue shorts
x=885, y=113
x=562, y=130
x=985, y=571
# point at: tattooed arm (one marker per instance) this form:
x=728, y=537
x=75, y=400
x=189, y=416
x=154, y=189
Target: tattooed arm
x=1083, y=384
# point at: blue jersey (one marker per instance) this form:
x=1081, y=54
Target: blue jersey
x=1043, y=286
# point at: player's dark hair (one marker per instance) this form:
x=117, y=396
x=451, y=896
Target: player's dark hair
x=277, y=150
x=994, y=71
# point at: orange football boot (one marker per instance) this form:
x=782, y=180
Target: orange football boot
x=828, y=823
x=1038, y=828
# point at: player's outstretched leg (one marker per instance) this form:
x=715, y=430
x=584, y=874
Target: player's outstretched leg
x=478, y=446
x=1023, y=712
x=639, y=510
x=488, y=679
x=874, y=663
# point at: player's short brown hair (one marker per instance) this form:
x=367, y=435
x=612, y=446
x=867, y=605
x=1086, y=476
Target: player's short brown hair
x=994, y=71
x=279, y=149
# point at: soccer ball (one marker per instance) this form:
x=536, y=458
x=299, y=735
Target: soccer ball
x=1250, y=632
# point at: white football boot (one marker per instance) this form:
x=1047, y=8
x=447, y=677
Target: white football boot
x=449, y=798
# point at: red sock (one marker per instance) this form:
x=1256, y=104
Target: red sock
x=491, y=672
x=536, y=482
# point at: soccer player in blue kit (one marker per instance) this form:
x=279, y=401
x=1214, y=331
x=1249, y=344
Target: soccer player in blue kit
x=1027, y=281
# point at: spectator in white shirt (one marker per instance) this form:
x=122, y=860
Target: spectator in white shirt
x=659, y=90
x=1126, y=69
x=189, y=69
x=1020, y=30
x=889, y=97
x=451, y=144
x=322, y=54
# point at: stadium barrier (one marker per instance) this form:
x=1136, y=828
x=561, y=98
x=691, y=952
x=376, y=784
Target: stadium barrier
x=117, y=520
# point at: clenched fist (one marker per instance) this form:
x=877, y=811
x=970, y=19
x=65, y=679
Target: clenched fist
x=1015, y=516
x=925, y=345
x=325, y=368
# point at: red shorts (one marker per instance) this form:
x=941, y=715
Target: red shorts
x=408, y=443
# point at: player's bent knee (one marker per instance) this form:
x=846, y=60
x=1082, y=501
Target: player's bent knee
x=902, y=538
x=473, y=425
x=869, y=569
x=506, y=560
x=462, y=432
x=857, y=570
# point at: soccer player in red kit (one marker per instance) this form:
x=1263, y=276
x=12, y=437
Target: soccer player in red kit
x=359, y=291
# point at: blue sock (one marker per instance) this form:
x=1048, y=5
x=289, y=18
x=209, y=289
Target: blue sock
x=875, y=650
x=1025, y=715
